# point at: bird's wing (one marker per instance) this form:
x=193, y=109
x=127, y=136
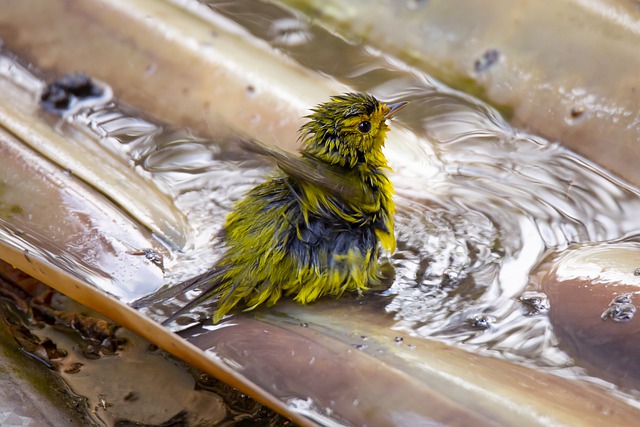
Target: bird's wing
x=315, y=172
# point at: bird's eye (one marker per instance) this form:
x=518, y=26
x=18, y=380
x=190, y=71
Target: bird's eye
x=364, y=127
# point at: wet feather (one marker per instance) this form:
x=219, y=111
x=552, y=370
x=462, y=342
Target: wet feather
x=316, y=228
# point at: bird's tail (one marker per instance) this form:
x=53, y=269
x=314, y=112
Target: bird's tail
x=208, y=280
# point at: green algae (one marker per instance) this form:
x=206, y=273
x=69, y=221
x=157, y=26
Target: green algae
x=8, y=210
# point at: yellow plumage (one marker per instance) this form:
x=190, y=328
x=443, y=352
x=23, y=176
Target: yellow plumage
x=316, y=227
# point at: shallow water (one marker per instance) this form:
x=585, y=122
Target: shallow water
x=476, y=212
x=479, y=203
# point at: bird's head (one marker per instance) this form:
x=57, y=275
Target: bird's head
x=348, y=130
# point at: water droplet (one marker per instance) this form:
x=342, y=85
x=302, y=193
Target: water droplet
x=152, y=255
x=534, y=302
x=621, y=309
x=481, y=321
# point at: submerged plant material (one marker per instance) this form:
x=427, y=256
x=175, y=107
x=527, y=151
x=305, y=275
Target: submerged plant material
x=111, y=376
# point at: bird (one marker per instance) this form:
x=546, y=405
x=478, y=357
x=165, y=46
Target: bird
x=317, y=226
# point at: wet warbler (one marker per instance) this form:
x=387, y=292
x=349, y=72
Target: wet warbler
x=317, y=226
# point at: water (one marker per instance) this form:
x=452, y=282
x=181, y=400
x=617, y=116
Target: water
x=479, y=203
x=468, y=234
x=500, y=199
x=492, y=202
x=106, y=375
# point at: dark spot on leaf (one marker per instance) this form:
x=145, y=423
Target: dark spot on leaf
x=487, y=60
x=59, y=95
x=577, y=112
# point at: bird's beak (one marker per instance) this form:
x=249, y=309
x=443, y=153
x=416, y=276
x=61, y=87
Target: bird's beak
x=394, y=108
